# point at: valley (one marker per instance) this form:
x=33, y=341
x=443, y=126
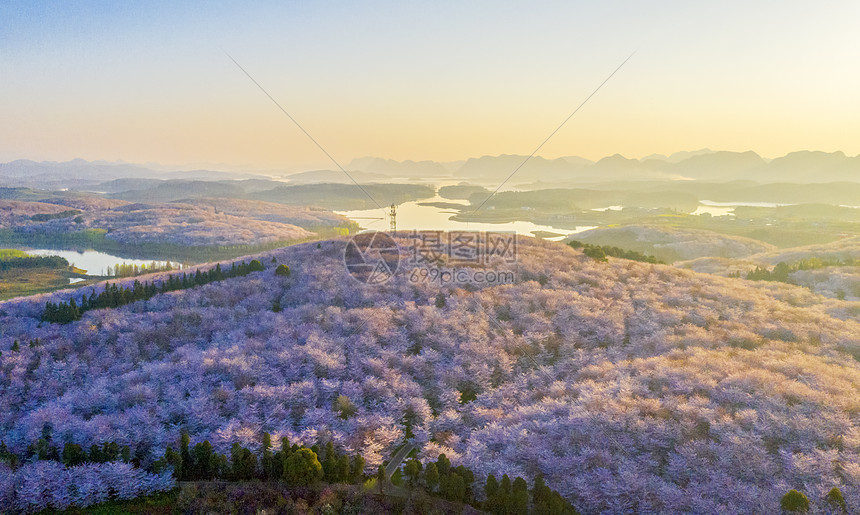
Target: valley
x=664, y=346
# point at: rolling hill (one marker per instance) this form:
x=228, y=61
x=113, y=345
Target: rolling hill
x=631, y=387
x=673, y=244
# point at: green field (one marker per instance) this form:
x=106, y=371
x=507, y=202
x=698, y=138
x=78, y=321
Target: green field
x=12, y=253
x=21, y=281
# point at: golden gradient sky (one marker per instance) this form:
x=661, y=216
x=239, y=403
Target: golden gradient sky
x=408, y=80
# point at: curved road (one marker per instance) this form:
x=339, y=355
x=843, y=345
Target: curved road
x=397, y=459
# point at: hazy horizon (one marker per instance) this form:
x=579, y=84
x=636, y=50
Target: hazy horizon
x=407, y=81
x=329, y=166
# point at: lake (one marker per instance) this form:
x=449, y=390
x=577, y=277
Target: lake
x=94, y=262
x=712, y=208
x=727, y=208
x=413, y=216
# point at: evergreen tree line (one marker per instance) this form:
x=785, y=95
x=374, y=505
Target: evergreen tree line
x=16, y=263
x=114, y=296
x=131, y=270
x=456, y=484
x=44, y=217
x=779, y=273
x=298, y=466
x=782, y=269
x=294, y=464
x=600, y=252
x=71, y=455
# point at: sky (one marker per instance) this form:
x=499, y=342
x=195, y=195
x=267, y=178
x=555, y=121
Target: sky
x=150, y=82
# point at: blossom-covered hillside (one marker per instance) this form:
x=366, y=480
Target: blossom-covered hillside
x=631, y=387
x=196, y=223
x=829, y=269
x=14, y=212
x=305, y=217
x=844, y=248
x=673, y=244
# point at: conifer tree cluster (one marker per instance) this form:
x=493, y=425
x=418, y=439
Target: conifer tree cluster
x=132, y=269
x=71, y=455
x=600, y=252
x=301, y=466
x=781, y=271
x=115, y=296
x=19, y=262
x=294, y=464
x=507, y=497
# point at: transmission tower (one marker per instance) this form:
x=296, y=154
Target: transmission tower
x=393, y=216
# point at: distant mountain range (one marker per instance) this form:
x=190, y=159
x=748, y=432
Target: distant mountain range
x=803, y=167
x=81, y=174
x=705, y=164
x=335, y=176
x=407, y=168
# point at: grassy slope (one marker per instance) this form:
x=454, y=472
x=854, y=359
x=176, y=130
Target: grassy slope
x=29, y=281
x=23, y=282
